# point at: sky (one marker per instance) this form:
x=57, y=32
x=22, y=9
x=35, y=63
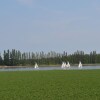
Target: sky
x=50, y=25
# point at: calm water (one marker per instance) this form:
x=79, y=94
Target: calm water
x=50, y=68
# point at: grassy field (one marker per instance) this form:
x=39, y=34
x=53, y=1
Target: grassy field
x=50, y=85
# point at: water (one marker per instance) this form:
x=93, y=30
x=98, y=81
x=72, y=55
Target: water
x=51, y=68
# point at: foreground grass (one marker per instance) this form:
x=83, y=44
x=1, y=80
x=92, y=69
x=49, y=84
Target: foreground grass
x=50, y=85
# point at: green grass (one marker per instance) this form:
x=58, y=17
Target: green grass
x=50, y=85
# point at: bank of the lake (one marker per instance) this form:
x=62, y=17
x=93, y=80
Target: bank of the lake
x=57, y=65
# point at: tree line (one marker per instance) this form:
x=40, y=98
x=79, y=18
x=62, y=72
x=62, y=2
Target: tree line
x=17, y=58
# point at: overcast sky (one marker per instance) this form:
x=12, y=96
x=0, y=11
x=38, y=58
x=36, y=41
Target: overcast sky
x=45, y=25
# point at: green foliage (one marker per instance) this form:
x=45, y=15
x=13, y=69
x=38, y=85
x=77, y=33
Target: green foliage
x=1, y=60
x=15, y=58
x=50, y=85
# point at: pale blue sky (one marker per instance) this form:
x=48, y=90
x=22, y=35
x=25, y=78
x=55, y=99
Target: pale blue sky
x=45, y=25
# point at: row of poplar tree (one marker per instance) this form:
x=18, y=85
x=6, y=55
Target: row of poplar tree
x=16, y=58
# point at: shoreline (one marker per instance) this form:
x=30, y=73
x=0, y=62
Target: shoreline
x=32, y=66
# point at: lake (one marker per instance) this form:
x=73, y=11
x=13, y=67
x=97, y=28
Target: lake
x=51, y=68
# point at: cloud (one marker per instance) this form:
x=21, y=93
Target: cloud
x=26, y=2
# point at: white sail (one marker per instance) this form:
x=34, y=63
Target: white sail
x=68, y=65
x=63, y=65
x=36, y=66
x=80, y=65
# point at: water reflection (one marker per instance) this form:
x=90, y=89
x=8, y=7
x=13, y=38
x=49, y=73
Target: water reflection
x=50, y=68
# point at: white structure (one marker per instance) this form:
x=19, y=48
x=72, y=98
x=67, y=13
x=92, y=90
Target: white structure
x=80, y=65
x=64, y=65
x=36, y=66
x=68, y=65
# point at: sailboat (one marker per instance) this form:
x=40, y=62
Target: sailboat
x=68, y=65
x=63, y=65
x=36, y=66
x=80, y=65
